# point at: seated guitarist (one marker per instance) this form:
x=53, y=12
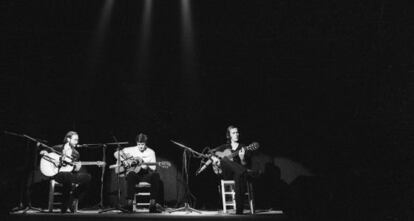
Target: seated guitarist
x=69, y=175
x=236, y=168
x=143, y=154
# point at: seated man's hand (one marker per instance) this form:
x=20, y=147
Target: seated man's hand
x=78, y=166
x=139, y=160
x=216, y=160
x=242, y=153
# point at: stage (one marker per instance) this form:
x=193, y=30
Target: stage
x=92, y=215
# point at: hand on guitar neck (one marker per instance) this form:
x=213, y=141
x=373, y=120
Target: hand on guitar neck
x=131, y=161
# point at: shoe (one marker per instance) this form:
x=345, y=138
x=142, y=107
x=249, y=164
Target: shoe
x=159, y=208
x=128, y=206
x=66, y=205
x=64, y=209
x=74, y=206
x=239, y=212
x=152, y=206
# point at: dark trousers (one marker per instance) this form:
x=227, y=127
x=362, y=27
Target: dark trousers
x=67, y=179
x=234, y=171
x=143, y=176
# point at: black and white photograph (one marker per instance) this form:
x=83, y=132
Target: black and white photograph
x=168, y=110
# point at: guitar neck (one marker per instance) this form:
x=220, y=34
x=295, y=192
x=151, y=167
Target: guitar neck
x=150, y=163
x=246, y=148
x=144, y=163
x=88, y=163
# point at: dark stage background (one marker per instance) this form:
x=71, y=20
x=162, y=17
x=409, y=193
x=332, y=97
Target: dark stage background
x=326, y=84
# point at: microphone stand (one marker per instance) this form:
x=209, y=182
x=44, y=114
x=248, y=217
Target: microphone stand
x=187, y=208
x=100, y=204
x=118, y=205
x=25, y=185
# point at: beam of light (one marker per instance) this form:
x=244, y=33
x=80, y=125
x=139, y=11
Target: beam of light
x=142, y=55
x=138, y=83
x=187, y=36
x=189, y=77
x=190, y=84
x=96, y=46
x=145, y=36
x=94, y=55
x=103, y=23
x=97, y=42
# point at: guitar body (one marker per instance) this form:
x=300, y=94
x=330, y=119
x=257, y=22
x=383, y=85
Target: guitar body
x=123, y=170
x=221, y=154
x=50, y=164
x=227, y=153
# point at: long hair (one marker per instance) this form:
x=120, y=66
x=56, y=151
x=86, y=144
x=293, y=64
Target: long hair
x=69, y=135
x=228, y=132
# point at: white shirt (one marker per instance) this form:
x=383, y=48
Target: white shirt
x=147, y=156
x=234, y=146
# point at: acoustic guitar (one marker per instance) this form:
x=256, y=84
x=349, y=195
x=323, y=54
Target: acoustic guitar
x=51, y=164
x=227, y=153
x=135, y=166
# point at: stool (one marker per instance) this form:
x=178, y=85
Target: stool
x=141, y=197
x=228, y=195
x=55, y=193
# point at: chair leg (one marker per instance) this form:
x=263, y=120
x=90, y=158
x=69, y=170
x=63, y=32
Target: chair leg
x=51, y=195
x=233, y=195
x=251, y=197
x=223, y=197
x=227, y=189
x=134, y=203
x=140, y=196
x=76, y=204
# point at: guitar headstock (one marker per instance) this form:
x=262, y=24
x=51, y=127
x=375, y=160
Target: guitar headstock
x=164, y=164
x=253, y=146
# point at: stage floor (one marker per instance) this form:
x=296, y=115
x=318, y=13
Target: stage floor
x=92, y=215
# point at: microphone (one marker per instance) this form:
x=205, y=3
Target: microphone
x=205, y=165
x=81, y=145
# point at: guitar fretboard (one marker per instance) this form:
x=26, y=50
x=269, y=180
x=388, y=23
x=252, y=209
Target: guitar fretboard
x=86, y=163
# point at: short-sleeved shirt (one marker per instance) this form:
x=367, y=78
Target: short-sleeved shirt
x=147, y=156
